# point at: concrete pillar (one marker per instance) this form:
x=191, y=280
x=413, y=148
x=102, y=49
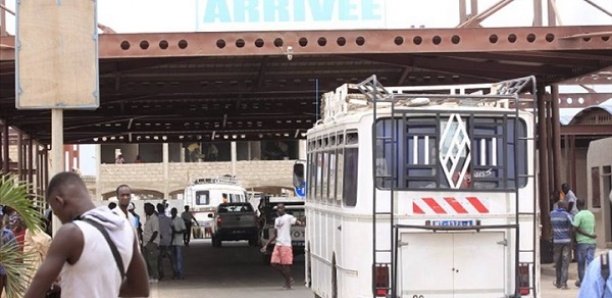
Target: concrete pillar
x=30, y=173
x=98, y=166
x=165, y=154
x=556, y=137
x=234, y=154
x=57, y=141
x=57, y=151
x=543, y=185
x=302, y=150
x=5, y=147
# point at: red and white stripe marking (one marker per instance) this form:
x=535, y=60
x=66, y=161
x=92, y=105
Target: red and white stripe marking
x=449, y=205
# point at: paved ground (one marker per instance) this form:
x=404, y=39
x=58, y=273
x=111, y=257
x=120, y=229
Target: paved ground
x=234, y=270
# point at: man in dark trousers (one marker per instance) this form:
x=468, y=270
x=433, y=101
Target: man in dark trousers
x=562, y=239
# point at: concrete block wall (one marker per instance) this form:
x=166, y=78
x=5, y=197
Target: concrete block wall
x=153, y=176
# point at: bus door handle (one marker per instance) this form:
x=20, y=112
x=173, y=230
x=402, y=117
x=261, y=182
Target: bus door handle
x=503, y=242
x=401, y=243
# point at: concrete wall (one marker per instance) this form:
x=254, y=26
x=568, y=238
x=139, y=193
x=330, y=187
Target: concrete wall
x=170, y=177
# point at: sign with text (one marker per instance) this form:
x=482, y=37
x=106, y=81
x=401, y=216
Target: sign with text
x=290, y=15
x=56, y=55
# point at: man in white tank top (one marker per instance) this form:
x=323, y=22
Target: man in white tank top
x=80, y=254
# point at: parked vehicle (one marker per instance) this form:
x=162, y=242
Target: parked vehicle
x=411, y=190
x=205, y=194
x=234, y=222
x=267, y=209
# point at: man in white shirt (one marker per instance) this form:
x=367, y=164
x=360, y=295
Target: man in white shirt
x=178, y=228
x=282, y=256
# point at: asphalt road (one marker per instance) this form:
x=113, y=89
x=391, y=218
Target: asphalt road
x=234, y=270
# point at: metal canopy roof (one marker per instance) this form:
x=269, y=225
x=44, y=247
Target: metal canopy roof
x=175, y=87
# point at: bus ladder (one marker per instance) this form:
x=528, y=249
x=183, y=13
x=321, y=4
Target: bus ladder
x=514, y=87
x=384, y=269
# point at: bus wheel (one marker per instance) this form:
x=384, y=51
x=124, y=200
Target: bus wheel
x=334, y=278
x=216, y=242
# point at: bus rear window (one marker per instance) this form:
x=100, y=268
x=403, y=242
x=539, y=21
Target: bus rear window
x=450, y=151
x=203, y=197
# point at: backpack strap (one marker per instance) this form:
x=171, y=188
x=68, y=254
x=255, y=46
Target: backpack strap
x=605, y=269
x=111, y=244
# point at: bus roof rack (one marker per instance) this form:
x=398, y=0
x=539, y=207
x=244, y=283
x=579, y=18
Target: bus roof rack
x=225, y=179
x=349, y=97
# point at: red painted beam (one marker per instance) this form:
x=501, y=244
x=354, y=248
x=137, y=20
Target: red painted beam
x=446, y=40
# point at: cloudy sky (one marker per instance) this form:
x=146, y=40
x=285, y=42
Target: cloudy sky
x=135, y=16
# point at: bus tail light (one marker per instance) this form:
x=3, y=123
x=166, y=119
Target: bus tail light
x=523, y=271
x=381, y=279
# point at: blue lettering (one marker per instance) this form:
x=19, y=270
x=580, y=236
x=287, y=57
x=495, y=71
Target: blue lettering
x=299, y=11
x=347, y=7
x=370, y=10
x=216, y=10
x=244, y=8
x=274, y=7
x=322, y=12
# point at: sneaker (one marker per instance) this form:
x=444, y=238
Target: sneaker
x=577, y=283
x=565, y=287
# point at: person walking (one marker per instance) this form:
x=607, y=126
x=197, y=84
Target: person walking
x=570, y=198
x=561, y=224
x=584, y=226
x=282, y=255
x=178, y=228
x=150, y=236
x=165, y=239
x=94, y=253
x=188, y=220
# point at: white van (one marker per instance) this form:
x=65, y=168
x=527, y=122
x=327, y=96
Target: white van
x=205, y=194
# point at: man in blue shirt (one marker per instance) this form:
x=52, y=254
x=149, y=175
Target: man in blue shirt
x=593, y=284
x=562, y=225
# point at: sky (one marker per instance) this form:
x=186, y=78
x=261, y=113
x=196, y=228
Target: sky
x=140, y=16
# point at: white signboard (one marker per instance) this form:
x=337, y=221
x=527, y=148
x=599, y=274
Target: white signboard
x=290, y=15
x=56, y=54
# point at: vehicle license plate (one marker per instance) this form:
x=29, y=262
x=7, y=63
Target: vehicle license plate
x=453, y=223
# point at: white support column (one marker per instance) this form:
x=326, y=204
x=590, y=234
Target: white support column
x=57, y=142
x=165, y=153
x=234, y=157
x=57, y=152
x=302, y=149
x=98, y=171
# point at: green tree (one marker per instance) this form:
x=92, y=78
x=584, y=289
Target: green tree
x=15, y=194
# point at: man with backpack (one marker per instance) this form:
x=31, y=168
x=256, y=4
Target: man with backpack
x=95, y=252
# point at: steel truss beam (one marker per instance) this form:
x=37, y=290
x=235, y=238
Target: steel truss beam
x=345, y=42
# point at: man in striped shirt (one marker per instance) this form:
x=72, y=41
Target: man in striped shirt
x=562, y=226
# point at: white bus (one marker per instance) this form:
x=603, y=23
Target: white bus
x=422, y=192
x=205, y=194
